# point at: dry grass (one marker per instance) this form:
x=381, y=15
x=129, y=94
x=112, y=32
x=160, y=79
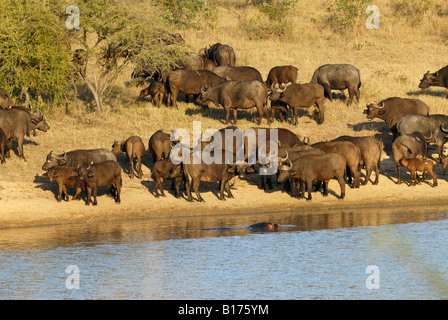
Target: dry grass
x=391, y=59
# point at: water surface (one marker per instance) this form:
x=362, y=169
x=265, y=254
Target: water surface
x=314, y=255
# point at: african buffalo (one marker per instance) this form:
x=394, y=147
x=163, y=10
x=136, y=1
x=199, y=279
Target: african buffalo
x=190, y=82
x=391, y=110
x=164, y=170
x=214, y=172
x=370, y=154
x=155, y=90
x=104, y=174
x=300, y=96
x=434, y=128
x=437, y=79
x=160, y=145
x=135, y=150
x=64, y=176
x=238, y=73
x=5, y=100
x=221, y=54
x=77, y=158
x=408, y=146
x=16, y=123
x=281, y=75
x=233, y=95
x=321, y=168
x=350, y=152
x=338, y=77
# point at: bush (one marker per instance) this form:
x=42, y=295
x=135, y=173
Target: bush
x=186, y=13
x=345, y=13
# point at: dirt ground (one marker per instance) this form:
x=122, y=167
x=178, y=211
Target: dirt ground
x=34, y=203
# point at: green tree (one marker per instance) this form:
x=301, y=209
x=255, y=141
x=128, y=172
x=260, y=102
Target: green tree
x=34, y=60
x=112, y=36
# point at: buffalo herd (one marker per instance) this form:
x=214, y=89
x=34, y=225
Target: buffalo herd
x=212, y=76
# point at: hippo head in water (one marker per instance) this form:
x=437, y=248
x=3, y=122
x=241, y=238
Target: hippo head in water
x=264, y=226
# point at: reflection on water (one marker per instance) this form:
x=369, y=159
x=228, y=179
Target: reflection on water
x=321, y=254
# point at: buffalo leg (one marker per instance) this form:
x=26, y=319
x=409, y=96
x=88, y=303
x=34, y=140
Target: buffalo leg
x=118, y=188
x=20, y=148
x=77, y=193
x=196, y=183
x=399, y=173
x=309, y=187
x=235, y=120
x=64, y=193
x=60, y=192
x=227, y=110
x=95, y=193
x=221, y=190
x=325, y=193
x=327, y=90
x=188, y=188
x=89, y=195
x=131, y=167
x=342, y=185
x=321, y=111
x=139, y=168
x=377, y=174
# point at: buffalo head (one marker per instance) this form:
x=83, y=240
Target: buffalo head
x=117, y=147
x=54, y=160
x=374, y=110
x=429, y=79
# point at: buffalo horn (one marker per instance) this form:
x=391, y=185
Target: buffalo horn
x=444, y=128
x=285, y=158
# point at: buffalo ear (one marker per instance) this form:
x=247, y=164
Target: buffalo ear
x=293, y=173
x=250, y=169
x=90, y=174
x=231, y=169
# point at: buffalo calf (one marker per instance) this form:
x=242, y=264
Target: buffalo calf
x=104, y=174
x=163, y=170
x=422, y=165
x=156, y=90
x=135, y=150
x=65, y=176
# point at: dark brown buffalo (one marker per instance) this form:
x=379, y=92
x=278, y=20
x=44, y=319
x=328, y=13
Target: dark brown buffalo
x=16, y=123
x=338, y=77
x=5, y=100
x=3, y=146
x=214, y=172
x=135, y=150
x=350, y=152
x=164, y=170
x=370, y=154
x=292, y=154
x=422, y=165
x=77, y=158
x=233, y=95
x=97, y=175
x=391, y=110
x=190, y=82
x=63, y=177
x=437, y=79
x=281, y=75
x=408, y=146
x=300, y=96
x=155, y=90
x=221, y=54
x=238, y=73
x=160, y=145
x=321, y=168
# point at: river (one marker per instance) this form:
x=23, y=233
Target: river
x=381, y=253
